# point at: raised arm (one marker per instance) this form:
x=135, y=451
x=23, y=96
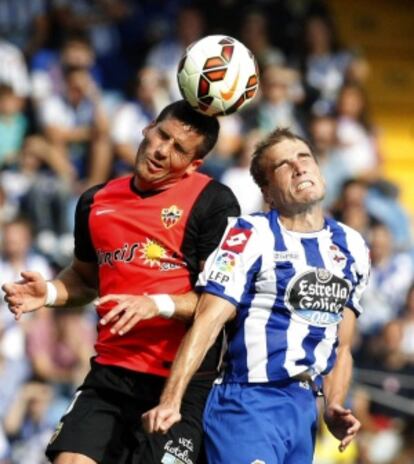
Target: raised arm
x=75, y=286
x=211, y=314
x=340, y=421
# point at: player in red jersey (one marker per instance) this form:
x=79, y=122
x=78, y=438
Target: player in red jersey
x=140, y=242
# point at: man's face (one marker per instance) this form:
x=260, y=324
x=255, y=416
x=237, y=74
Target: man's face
x=294, y=179
x=166, y=154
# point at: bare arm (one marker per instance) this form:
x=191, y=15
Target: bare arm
x=212, y=313
x=130, y=309
x=340, y=421
x=76, y=285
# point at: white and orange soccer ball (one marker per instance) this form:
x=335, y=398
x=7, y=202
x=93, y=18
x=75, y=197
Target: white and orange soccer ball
x=218, y=75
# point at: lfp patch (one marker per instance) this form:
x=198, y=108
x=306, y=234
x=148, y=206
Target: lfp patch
x=236, y=240
x=225, y=262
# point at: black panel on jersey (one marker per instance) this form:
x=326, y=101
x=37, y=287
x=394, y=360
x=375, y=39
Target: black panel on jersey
x=206, y=224
x=84, y=249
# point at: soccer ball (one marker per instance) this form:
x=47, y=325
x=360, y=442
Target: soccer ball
x=218, y=75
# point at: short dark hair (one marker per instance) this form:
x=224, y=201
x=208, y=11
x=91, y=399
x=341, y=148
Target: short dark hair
x=257, y=170
x=207, y=126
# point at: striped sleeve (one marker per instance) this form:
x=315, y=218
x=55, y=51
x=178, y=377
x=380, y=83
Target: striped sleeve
x=231, y=268
x=361, y=270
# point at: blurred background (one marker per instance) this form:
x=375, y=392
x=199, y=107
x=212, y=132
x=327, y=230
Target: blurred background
x=80, y=79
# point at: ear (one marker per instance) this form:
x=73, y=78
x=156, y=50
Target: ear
x=193, y=166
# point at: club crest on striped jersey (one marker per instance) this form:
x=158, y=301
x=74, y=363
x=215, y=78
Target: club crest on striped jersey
x=236, y=239
x=318, y=296
x=336, y=256
x=170, y=216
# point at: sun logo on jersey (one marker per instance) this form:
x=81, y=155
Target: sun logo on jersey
x=170, y=216
x=152, y=252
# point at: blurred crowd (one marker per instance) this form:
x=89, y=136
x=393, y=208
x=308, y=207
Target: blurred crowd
x=80, y=79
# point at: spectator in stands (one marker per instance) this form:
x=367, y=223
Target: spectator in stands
x=40, y=188
x=358, y=146
x=254, y=34
x=322, y=131
x=239, y=179
x=59, y=346
x=350, y=208
x=323, y=63
x=48, y=66
x=149, y=96
x=13, y=125
x=403, y=328
x=406, y=453
x=13, y=69
x=14, y=367
x=76, y=125
x=277, y=107
x=17, y=255
x=165, y=55
x=391, y=276
x=25, y=24
x=4, y=447
x=98, y=20
x=28, y=424
x=8, y=210
x=228, y=145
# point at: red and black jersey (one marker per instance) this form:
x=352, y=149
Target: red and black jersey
x=147, y=243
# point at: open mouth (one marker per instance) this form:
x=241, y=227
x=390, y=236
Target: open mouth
x=304, y=185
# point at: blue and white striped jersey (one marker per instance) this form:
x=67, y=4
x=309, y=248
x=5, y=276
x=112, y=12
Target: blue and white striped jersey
x=289, y=289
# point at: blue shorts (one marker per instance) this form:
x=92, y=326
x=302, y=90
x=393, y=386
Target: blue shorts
x=260, y=424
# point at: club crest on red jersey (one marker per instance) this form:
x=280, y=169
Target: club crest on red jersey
x=236, y=240
x=170, y=216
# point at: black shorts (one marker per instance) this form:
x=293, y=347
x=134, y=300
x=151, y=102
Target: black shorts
x=103, y=421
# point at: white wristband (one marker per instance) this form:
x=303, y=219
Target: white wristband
x=51, y=294
x=164, y=303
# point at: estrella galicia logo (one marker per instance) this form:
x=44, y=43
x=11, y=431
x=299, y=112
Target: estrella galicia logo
x=318, y=296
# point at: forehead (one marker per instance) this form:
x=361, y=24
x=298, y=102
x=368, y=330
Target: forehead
x=286, y=149
x=182, y=133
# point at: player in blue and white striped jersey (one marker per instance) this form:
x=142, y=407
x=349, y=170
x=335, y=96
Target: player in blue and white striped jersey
x=288, y=284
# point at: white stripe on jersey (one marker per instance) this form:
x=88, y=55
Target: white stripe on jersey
x=324, y=348
x=256, y=343
x=296, y=333
x=358, y=249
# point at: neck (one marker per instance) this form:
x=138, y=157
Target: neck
x=310, y=220
x=143, y=186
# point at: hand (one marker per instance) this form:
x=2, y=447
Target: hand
x=342, y=424
x=130, y=309
x=26, y=295
x=161, y=418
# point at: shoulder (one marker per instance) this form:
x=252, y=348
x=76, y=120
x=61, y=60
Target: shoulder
x=353, y=236
x=219, y=190
x=215, y=195
x=257, y=224
x=88, y=195
x=355, y=243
